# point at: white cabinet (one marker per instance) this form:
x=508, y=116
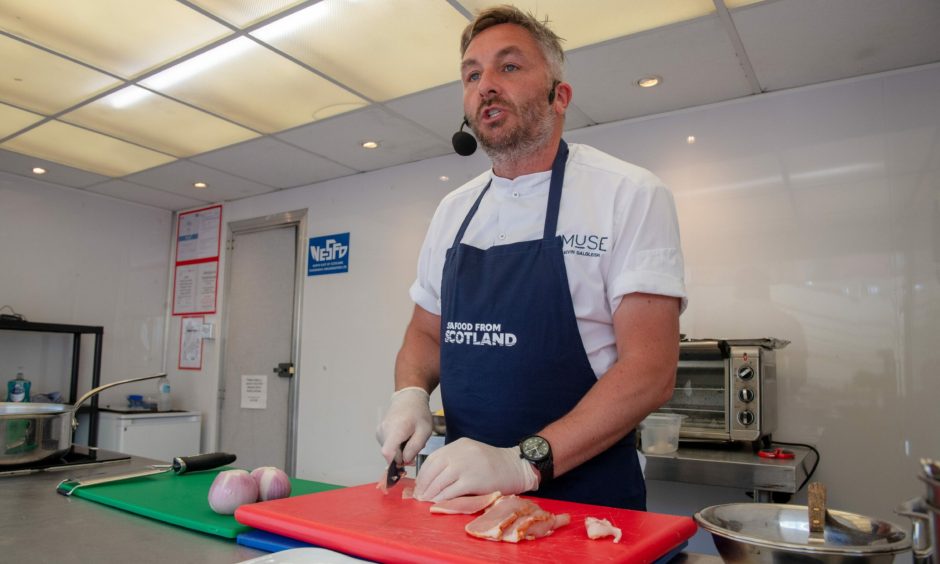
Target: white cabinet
x=159, y=435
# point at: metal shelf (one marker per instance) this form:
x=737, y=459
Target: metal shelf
x=736, y=466
x=76, y=331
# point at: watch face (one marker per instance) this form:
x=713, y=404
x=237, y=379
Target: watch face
x=535, y=448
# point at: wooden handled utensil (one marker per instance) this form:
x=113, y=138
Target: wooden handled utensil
x=816, y=502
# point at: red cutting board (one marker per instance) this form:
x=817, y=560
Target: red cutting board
x=363, y=522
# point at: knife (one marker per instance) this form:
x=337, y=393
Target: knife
x=396, y=468
x=180, y=465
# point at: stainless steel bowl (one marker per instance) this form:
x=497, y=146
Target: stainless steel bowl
x=773, y=533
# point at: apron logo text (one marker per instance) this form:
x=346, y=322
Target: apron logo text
x=585, y=245
x=488, y=334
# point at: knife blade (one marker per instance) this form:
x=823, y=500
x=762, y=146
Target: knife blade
x=396, y=468
x=180, y=465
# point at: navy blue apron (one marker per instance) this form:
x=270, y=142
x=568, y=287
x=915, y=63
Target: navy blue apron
x=512, y=360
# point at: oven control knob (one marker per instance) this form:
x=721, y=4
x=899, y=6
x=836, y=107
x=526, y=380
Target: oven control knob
x=746, y=372
x=746, y=417
x=746, y=395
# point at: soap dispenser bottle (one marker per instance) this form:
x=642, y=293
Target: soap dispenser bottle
x=18, y=388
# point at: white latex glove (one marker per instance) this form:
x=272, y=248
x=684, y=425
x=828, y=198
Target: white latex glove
x=468, y=467
x=408, y=419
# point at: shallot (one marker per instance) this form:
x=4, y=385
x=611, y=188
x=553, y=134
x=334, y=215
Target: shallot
x=273, y=483
x=231, y=489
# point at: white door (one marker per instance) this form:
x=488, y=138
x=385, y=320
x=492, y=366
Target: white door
x=261, y=307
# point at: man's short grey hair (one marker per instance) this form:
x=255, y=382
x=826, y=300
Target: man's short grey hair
x=548, y=41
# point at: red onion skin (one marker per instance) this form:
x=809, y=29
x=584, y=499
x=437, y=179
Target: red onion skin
x=231, y=489
x=273, y=483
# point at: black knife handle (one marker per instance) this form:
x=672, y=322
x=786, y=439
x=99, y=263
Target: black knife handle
x=184, y=464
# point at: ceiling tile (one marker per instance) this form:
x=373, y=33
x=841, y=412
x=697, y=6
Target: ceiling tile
x=40, y=81
x=340, y=139
x=118, y=37
x=154, y=121
x=252, y=85
x=243, y=13
x=63, y=143
x=178, y=178
x=14, y=119
x=439, y=109
x=274, y=163
x=696, y=61
x=382, y=50
x=606, y=19
x=803, y=42
x=144, y=195
x=56, y=173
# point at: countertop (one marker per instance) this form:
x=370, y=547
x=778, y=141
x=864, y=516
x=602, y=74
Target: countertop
x=39, y=525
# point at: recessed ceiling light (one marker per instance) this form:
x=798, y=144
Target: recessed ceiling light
x=200, y=185
x=39, y=170
x=369, y=144
x=649, y=81
x=443, y=178
x=690, y=139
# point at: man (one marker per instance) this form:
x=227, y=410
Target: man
x=547, y=298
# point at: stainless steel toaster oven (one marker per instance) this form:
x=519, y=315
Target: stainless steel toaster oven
x=727, y=389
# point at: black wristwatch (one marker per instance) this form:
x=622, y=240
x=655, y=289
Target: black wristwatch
x=538, y=452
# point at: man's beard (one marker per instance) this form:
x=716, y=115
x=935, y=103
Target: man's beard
x=536, y=123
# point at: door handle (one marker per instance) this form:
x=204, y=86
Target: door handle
x=284, y=369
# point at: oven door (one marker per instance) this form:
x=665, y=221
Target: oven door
x=701, y=392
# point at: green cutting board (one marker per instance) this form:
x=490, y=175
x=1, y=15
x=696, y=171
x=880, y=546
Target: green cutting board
x=180, y=499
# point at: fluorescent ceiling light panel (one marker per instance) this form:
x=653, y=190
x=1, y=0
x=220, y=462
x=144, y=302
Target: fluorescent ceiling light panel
x=158, y=123
x=42, y=82
x=383, y=50
x=14, y=119
x=582, y=23
x=243, y=13
x=73, y=146
x=251, y=85
x=124, y=37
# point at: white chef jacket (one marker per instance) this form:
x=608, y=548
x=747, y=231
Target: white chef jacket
x=619, y=226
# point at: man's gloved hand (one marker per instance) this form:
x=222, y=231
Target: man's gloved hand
x=408, y=419
x=468, y=467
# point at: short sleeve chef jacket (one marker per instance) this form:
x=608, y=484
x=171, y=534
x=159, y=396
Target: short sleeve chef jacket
x=619, y=227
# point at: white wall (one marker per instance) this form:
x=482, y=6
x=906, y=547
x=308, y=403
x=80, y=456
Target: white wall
x=811, y=215
x=68, y=256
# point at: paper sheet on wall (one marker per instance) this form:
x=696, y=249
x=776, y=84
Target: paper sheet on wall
x=195, y=288
x=254, y=391
x=198, y=236
x=191, y=343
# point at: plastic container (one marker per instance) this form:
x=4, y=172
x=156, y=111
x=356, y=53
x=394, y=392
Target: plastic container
x=659, y=433
x=18, y=388
x=164, y=402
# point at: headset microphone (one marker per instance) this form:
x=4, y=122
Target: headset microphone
x=464, y=143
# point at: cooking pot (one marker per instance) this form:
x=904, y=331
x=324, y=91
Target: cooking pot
x=34, y=432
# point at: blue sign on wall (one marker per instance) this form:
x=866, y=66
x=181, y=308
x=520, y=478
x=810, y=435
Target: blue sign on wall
x=328, y=254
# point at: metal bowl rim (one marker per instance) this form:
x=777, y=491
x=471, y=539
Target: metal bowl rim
x=894, y=547
x=25, y=410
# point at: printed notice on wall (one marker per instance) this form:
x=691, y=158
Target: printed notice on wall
x=195, y=288
x=198, y=234
x=254, y=391
x=195, y=281
x=191, y=343
x=328, y=254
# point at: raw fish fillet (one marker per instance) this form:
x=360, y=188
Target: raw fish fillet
x=465, y=505
x=541, y=529
x=499, y=517
x=408, y=493
x=600, y=528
